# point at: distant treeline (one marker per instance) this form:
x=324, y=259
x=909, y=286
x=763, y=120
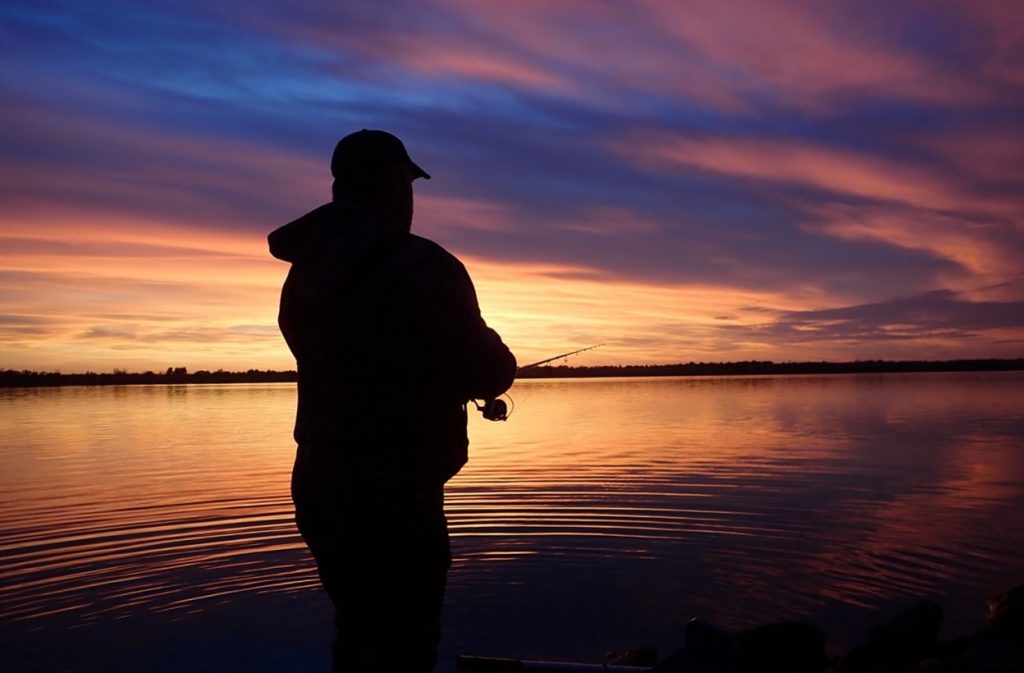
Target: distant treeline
x=749, y=367
x=10, y=378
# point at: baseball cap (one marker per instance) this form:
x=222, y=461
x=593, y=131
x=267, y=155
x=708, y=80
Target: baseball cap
x=371, y=150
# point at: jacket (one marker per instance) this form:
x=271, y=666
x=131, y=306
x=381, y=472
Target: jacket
x=389, y=344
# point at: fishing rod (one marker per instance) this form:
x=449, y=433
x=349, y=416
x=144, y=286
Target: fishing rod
x=497, y=409
x=557, y=357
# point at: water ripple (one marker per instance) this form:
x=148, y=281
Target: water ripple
x=756, y=495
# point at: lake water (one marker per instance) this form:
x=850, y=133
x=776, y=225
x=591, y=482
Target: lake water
x=150, y=527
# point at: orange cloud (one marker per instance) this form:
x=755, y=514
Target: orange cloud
x=144, y=295
x=542, y=310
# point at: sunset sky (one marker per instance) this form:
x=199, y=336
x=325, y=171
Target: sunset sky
x=693, y=180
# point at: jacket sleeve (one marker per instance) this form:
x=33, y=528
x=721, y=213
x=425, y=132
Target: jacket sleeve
x=480, y=365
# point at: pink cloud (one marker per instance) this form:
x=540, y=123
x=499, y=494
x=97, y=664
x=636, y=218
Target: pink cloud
x=464, y=59
x=1004, y=23
x=439, y=215
x=801, y=163
x=798, y=50
x=719, y=53
x=992, y=154
x=613, y=222
x=971, y=244
x=200, y=181
x=723, y=55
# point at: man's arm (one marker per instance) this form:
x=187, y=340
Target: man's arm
x=481, y=364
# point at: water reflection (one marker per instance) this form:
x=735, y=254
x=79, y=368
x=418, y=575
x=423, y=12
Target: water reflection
x=604, y=513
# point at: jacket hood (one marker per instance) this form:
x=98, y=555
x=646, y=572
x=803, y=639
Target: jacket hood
x=298, y=239
x=335, y=231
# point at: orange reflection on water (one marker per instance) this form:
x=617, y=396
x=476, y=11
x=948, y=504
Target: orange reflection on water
x=638, y=502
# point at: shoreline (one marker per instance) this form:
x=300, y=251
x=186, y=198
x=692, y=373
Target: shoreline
x=10, y=378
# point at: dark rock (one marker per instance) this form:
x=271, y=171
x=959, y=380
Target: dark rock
x=914, y=630
x=703, y=636
x=909, y=637
x=954, y=650
x=864, y=660
x=995, y=649
x=939, y=665
x=639, y=656
x=1007, y=607
x=709, y=649
x=789, y=647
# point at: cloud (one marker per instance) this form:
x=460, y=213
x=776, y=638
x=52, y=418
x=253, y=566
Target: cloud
x=192, y=334
x=633, y=172
x=992, y=156
x=935, y=324
x=20, y=327
x=795, y=162
x=984, y=249
x=812, y=55
x=195, y=180
x=722, y=56
x=1005, y=52
x=111, y=332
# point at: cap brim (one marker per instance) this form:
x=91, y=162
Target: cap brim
x=418, y=172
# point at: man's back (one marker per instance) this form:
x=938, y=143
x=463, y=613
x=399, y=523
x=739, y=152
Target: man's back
x=389, y=342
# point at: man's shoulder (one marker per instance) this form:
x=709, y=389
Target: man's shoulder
x=428, y=253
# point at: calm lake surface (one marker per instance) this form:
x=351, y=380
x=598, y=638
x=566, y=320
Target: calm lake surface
x=150, y=527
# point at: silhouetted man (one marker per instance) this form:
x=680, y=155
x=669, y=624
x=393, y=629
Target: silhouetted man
x=390, y=346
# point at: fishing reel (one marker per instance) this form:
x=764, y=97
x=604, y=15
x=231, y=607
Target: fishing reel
x=493, y=410
x=497, y=409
